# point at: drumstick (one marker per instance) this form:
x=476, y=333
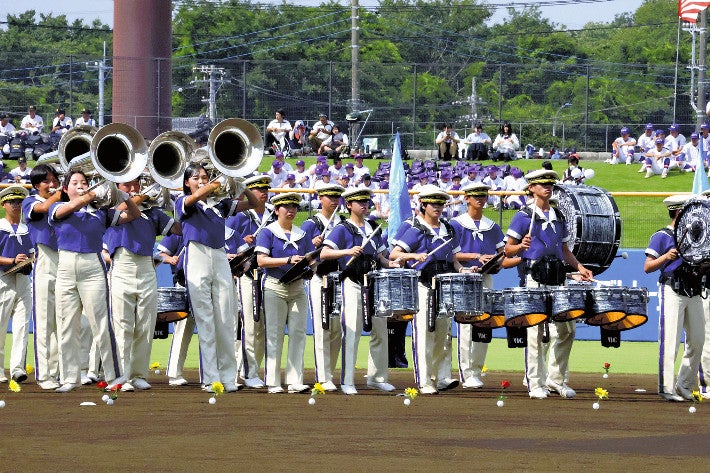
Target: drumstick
x=262, y=225
x=533, y=207
x=364, y=243
x=330, y=220
x=434, y=251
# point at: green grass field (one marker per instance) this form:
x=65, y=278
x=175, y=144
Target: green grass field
x=587, y=356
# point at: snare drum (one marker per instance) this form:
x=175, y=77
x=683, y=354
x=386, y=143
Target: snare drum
x=336, y=304
x=571, y=301
x=494, y=310
x=395, y=292
x=636, y=310
x=525, y=306
x=172, y=304
x=609, y=305
x=460, y=295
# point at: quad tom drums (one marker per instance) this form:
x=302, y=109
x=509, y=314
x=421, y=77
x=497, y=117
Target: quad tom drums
x=460, y=295
x=172, y=304
x=394, y=292
x=571, y=302
x=526, y=306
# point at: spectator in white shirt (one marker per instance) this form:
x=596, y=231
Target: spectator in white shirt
x=447, y=143
x=277, y=132
x=85, y=118
x=320, y=131
x=6, y=128
x=32, y=122
x=61, y=123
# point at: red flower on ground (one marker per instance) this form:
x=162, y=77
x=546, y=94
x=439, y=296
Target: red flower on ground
x=607, y=366
x=101, y=384
x=504, y=384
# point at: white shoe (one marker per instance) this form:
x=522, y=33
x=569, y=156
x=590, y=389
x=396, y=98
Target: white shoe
x=141, y=384
x=329, y=386
x=85, y=380
x=348, y=389
x=116, y=382
x=127, y=387
x=446, y=384
x=275, y=389
x=474, y=382
x=538, y=393
x=231, y=387
x=67, y=387
x=671, y=397
x=428, y=390
x=643, y=168
x=561, y=389
x=387, y=387
x=685, y=393
x=48, y=384
x=705, y=395
x=179, y=381
x=298, y=388
x=207, y=388
x=254, y=383
x=649, y=173
x=664, y=174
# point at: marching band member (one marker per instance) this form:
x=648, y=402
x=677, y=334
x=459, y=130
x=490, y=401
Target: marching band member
x=15, y=289
x=681, y=309
x=545, y=243
x=326, y=343
x=172, y=251
x=344, y=243
x=81, y=277
x=35, y=209
x=481, y=239
x=280, y=245
x=134, y=284
x=432, y=350
x=207, y=273
x=252, y=337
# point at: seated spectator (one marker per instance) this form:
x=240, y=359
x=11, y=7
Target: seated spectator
x=621, y=147
x=320, y=131
x=85, y=118
x=335, y=145
x=515, y=182
x=691, y=153
x=298, y=137
x=21, y=174
x=32, y=123
x=657, y=160
x=277, y=133
x=675, y=133
x=574, y=174
x=382, y=202
x=6, y=128
x=447, y=144
x=359, y=168
x=506, y=144
x=477, y=144
x=61, y=123
x=495, y=183
x=647, y=140
x=277, y=174
x=303, y=177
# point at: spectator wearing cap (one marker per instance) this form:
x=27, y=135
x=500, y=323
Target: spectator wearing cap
x=681, y=309
x=382, y=202
x=647, y=140
x=705, y=137
x=674, y=131
x=447, y=143
x=279, y=155
x=85, y=118
x=367, y=183
x=320, y=161
x=574, y=174
x=277, y=132
x=291, y=184
x=477, y=143
x=336, y=144
x=515, y=182
x=16, y=289
x=6, y=128
x=472, y=176
x=32, y=123
x=302, y=176
x=691, y=153
x=277, y=174
x=350, y=172
x=320, y=131
x=337, y=169
x=506, y=144
x=495, y=183
x=445, y=179
x=657, y=160
x=20, y=174
x=61, y=123
x=359, y=168
x=621, y=146
x=298, y=137
x=326, y=176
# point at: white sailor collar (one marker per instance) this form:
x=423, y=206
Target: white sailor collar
x=296, y=232
x=22, y=229
x=443, y=232
x=484, y=224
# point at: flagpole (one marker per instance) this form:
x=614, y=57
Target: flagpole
x=675, y=79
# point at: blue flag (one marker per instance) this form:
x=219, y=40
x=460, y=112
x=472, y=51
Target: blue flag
x=400, y=208
x=700, y=181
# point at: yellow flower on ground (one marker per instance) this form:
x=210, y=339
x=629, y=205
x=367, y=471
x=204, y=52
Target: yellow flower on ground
x=14, y=386
x=697, y=397
x=484, y=369
x=29, y=369
x=411, y=393
x=155, y=365
x=601, y=393
x=317, y=389
x=217, y=388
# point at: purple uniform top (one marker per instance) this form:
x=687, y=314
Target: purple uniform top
x=415, y=240
x=660, y=243
x=14, y=240
x=342, y=238
x=38, y=223
x=138, y=236
x=234, y=243
x=483, y=236
x=204, y=223
x=549, y=233
x=247, y=222
x=172, y=245
x=274, y=242
x=82, y=231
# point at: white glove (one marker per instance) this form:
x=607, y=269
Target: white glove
x=153, y=192
x=101, y=192
x=239, y=188
x=221, y=180
x=122, y=196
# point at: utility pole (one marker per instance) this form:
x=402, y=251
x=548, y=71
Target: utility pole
x=474, y=106
x=102, y=68
x=700, y=99
x=355, y=63
x=214, y=77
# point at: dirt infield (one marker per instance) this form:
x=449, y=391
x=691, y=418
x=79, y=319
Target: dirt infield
x=176, y=429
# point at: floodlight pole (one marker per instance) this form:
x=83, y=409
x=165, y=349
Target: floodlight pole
x=355, y=65
x=554, y=122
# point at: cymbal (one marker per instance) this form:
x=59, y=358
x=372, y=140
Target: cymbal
x=299, y=269
x=236, y=263
x=493, y=265
x=20, y=266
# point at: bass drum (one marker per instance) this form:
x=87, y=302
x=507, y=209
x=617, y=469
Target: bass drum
x=692, y=232
x=593, y=222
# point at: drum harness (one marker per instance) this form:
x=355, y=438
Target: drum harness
x=255, y=273
x=687, y=279
x=548, y=270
